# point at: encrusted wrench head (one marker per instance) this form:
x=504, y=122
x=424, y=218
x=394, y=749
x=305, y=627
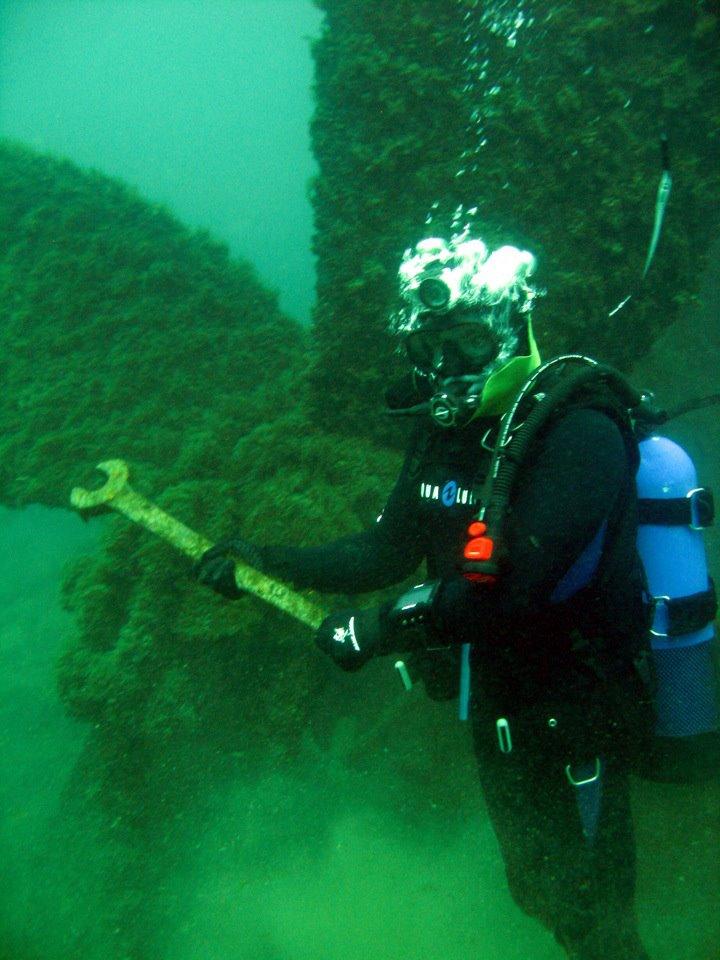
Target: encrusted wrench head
x=116, y=483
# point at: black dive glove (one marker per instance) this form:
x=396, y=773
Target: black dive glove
x=438, y=613
x=352, y=637
x=216, y=567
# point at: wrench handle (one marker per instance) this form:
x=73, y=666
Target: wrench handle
x=138, y=509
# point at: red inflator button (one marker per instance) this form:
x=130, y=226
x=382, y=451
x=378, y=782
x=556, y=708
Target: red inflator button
x=488, y=579
x=479, y=548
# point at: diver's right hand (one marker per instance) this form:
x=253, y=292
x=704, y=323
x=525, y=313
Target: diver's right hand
x=216, y=567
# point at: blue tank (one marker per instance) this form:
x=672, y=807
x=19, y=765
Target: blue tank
x=670, y=543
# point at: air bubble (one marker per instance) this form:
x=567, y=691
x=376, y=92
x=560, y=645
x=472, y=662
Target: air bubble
x=508, y=20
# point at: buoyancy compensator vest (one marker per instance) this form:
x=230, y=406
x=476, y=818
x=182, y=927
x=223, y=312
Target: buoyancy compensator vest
x=673, y=511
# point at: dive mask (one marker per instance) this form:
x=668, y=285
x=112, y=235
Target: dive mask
x=452, y=351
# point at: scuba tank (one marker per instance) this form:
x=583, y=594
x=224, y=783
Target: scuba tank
x=674, y=510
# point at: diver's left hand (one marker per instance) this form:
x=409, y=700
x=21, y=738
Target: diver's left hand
x=216, y=567
x=351, y=637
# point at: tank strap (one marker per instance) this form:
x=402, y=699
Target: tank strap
x=696, y=510
x=679, y=616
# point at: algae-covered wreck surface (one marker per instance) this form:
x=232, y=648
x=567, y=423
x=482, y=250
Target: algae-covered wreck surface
x=539, y=124
x=125, y=334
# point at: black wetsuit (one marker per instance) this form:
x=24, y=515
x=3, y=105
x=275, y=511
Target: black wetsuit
x=558, y=670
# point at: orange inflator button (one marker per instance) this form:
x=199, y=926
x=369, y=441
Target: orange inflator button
x=477, y=528
x=479, y=548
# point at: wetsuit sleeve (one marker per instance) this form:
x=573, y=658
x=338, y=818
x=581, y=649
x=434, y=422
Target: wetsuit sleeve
x=562, y=500
x=383, y=554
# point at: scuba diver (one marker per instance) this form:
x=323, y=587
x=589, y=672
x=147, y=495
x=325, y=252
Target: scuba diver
x=535, y=592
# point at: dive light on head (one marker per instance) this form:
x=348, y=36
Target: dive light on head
x=434, y=294
x=439, y=276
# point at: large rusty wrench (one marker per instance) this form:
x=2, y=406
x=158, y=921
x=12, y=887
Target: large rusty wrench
x=117, y=494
